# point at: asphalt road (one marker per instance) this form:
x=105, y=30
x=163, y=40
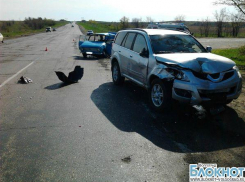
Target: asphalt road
x=95, y=131
x=222, y=43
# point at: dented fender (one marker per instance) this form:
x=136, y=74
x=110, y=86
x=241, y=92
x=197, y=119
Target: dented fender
x=161, y=72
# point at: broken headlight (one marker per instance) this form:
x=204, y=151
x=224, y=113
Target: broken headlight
x=237, y=69
x=178, y=74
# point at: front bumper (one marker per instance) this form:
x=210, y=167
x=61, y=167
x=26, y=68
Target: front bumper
x=200, y=91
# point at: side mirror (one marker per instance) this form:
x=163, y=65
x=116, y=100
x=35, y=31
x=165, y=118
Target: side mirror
x=209, y=48
x=144, y=53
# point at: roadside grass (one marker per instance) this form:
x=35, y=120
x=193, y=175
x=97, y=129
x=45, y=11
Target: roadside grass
x=232, y=54
x=98, y=27
x=20, y=29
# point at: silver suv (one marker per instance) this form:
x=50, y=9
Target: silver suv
x=173, y=64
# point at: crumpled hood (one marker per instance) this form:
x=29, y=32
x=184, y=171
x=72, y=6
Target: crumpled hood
x=92, y=44
x=199, y=62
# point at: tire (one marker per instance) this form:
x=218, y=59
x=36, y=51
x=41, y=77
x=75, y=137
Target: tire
x=160, y=95
x=84, y=55
x=116, y=74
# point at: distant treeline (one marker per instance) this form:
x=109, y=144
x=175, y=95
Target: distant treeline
x=28, y=26
x=32, y=23
x=4, y=26
x=199, y=28
x=38, y=23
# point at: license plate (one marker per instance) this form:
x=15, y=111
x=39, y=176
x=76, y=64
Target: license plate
x=89, y=53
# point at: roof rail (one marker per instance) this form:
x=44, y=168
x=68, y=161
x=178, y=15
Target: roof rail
x=159, y=29
x=181, y=31
x=173, y=30
x=140, y=29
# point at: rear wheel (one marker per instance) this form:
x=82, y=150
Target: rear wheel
x=160, y=95
x=116, y=74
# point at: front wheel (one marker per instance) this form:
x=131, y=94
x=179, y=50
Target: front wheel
x=116, y=74
x=160, y=95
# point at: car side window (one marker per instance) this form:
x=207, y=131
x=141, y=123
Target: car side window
x=139, y=44
x=124, y=40
x=129, y=41
x=91, y=38
x=120, y=37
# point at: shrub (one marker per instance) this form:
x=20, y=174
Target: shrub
x=241, y=50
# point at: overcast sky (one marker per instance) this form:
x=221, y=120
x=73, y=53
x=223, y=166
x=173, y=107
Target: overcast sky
x=107, y=10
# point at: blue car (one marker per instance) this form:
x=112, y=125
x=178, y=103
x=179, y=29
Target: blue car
x=98, y=44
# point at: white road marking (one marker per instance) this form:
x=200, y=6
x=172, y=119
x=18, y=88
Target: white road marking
x=6, y=81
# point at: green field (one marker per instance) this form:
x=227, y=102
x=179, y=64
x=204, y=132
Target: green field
x=99, y=27
x=18, y=28
x=233, y=54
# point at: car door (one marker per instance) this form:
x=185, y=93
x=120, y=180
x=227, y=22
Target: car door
x=125, y=52
x=138, y=63
x=117, y=47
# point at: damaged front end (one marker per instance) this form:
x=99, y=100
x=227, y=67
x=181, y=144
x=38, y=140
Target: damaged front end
x=202, y=86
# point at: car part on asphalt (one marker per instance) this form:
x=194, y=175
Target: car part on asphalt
x=73, y=77
x=24, y=80
x=126, y=159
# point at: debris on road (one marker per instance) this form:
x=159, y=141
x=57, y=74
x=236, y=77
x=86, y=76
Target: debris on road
x=24, y=80
x=126, y=159
x=73, y=77
x=200, y=111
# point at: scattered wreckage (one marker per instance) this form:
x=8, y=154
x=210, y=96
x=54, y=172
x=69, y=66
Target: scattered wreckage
x=98, y=44
x=174, y=65
x=73, y=76
x=24, y=80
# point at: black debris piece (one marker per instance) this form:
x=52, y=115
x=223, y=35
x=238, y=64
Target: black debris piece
x=73, y=77
x=126, y=159
x=24, y=80
x=199, y=111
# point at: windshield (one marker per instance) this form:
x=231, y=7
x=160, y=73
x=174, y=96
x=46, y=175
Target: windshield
x=97, y=38
x=175, y=44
